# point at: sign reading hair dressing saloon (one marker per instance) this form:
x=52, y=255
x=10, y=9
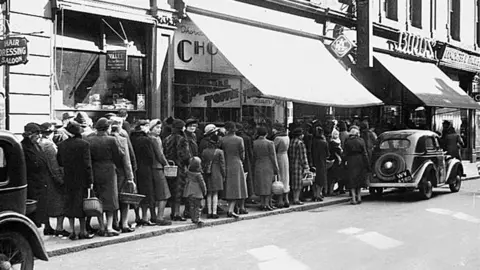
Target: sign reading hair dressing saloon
x=13, y=51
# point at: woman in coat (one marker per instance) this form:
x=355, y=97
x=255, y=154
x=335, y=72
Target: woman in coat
x=106, y=157
x=38, y=175
x=125, y=181
x=235, y=184
x=162, y=191
x=356, y=157
x=282, y=142
x=320, y=154
x=266, y=167
x=55, y=187
x=74, y=157
x=335, y=172
x=213, y=164
x=298, y=163
x=247, y=163
x=453, y=143
x=143, y=148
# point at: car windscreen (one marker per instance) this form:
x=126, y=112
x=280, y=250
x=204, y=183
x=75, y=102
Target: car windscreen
x=394, y=144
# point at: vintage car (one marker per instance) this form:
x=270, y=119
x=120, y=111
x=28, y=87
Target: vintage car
x=413, y=159
x=20, y=240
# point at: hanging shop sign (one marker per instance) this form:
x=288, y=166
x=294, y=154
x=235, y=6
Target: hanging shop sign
x=195, y=52
x=458, y=59
x=13, y=51
x=416, y=45
x=341, y=46
x=117, y=60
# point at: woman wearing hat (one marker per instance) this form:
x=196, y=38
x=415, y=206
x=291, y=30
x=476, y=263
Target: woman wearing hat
x=106, y=156
x=162, y=191
x=74, y=157
x=55, y=187
x=356, y=157
x=38, y=175
x=298, y=163
x=282, y=142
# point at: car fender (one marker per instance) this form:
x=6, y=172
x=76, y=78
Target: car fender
x=15, y=222
x=453, y=165
x=425, y=168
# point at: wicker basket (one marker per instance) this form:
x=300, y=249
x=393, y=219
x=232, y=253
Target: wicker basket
x=308, y=179
x=170, y=170
x=31, y=206
x=92, y=206
x=277, y=187
x=130, y=198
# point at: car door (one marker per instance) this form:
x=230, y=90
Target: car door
x=442, y=167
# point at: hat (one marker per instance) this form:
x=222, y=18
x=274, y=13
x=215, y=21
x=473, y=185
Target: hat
x=178, y=124
x=47, y=127
x=31, y=128
x=169, y=120
x=153, y=123
x=103, y=124
x=354, y=132
x=297, y=132
x=140, y=123
x=110, y=115
x=74, y=128
x=81, y=119
x=191, y=121
x=67, y=115
x=210, y=128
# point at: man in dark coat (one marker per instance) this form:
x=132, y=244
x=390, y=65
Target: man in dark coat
x=177, y=149
x=74, y=156
x=38, y=174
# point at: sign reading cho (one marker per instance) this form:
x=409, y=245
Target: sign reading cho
x=13, y=51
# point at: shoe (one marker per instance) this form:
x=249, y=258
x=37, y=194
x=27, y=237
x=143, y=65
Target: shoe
x=48, y=231
x=199, y=223
x=353, y=202
x=243, y=212
x=145, y=223
x=359, y=202
x=61, y=233
x=230, y=214
x=116, y=228
x=101, y=233
x=268, y=208
x=215, y=216
x=92, y=230
x=112, y=233
x=85, y=236
x=73, y=236
x=127, y=230
x=210, y=216
x=179, y=218
x=280, y=205
x=163, y=222
x=286, y=205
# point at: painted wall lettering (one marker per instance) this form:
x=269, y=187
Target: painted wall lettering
x=416, y=45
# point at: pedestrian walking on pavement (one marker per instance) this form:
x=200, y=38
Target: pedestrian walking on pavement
x=282, y=142
x=195, y=189
x=74, y=157
x=162, y=191
x=320, y=154
x=235, y=183
x=266, y=167
x=214, y=171
x=298, y=164
x=357, y=161
x=106, y=156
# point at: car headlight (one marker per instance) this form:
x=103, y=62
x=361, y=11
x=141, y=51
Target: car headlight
x=388, y=165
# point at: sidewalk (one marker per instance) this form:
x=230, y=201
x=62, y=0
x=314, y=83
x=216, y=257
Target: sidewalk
x=57, y=246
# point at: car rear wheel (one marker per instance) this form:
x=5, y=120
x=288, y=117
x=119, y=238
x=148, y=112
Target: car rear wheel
x=377, y=192
x=456, y=184
x=15, y=252
x=426, y=188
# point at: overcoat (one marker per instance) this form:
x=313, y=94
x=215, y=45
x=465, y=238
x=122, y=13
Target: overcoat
x=356, y=157
x=282, y=142
x=265, y=164
x=55, y=186
x=177, y=149
x=335, y=172
x=38, y=176
x=143, y=148
x=235, y=185
x=106, y=157
x=125, y=172
x=74, y=157
x=248, y=161
x=298, y=163
x=320, y=154
x=195, y=185
x=162, y=191
x=213, y=157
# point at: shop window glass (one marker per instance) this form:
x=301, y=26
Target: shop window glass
x=455, y=19
x=391, y=9
x=416, y=13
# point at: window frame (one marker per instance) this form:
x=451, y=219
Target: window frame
x=391, y=6
x=416, y=13
x=454, y=17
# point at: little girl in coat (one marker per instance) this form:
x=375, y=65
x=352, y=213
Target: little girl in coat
x=195, y=189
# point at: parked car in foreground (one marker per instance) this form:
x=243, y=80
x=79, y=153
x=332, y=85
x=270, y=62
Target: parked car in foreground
x=413, y=159
x=20, y=240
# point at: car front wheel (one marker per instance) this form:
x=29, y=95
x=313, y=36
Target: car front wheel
x=456, y=184
x=426, y=188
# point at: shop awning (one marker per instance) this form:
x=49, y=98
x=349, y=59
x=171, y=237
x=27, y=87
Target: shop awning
x=285, y=66
x=427, y=82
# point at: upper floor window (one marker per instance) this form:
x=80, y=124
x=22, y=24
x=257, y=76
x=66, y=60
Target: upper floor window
x=455, y=19
x=391, y=9
x=416, y=13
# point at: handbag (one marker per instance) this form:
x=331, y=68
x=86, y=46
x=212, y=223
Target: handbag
x=308, y=179
x=92, y=206
x=277, y=186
